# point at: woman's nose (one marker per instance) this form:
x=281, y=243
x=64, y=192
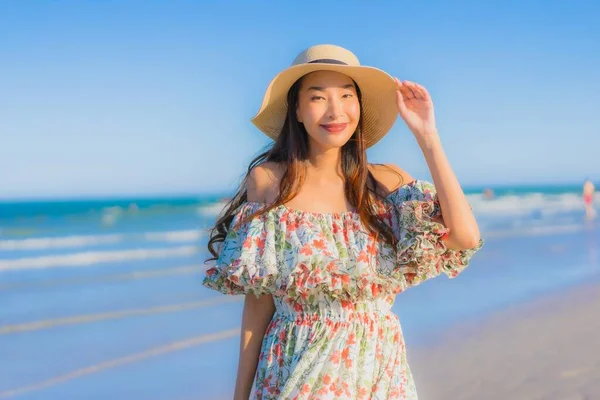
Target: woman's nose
x=335, y=109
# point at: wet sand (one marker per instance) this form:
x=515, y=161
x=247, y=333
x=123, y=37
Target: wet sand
x=548, y=348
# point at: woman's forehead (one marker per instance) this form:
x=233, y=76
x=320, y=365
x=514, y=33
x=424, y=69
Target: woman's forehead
x=326, y=79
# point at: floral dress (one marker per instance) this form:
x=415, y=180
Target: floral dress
x=333, y=335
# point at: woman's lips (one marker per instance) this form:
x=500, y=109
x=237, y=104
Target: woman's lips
x=334, y=128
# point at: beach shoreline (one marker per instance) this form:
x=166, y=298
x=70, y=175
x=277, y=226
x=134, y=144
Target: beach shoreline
x=544, y=348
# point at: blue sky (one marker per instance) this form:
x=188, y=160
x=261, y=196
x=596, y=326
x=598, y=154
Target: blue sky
x=124, y=97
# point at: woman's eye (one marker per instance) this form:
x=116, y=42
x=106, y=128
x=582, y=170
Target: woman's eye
x=317, y=98
x=348, y=95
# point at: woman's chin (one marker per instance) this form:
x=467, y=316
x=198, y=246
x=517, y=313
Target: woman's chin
x=329, y=141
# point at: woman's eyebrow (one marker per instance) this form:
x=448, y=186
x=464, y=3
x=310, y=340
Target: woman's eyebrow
x=319, y=88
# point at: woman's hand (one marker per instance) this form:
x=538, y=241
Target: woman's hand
x=416, y=109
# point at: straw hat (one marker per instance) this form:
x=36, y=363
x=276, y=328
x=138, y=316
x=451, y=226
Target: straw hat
x=378, y=89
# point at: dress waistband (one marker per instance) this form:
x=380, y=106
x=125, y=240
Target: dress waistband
x=334, y=310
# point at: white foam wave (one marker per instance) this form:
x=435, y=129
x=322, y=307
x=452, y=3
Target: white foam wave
x=527, y=204
x=74, y=241
x=94, y=257
x=535, y=231
x=58, y=242
x=212, y=210
x=174, y=236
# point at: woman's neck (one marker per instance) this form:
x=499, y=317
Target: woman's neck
x=325, y=162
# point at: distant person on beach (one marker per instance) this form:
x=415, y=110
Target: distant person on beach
x=588, y=199
x=488, y=194
x=320, y=242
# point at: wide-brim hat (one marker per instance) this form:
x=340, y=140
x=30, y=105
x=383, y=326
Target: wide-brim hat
x=377, y=87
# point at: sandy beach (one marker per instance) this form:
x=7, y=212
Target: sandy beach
x=548, y=348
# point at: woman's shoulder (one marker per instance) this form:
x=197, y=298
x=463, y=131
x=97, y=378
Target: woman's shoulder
x=263, y=182
x=390, y=177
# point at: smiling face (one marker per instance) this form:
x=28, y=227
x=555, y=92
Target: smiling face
x=329, y=108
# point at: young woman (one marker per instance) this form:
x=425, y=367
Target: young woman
x=588, y=199
x=320, y=241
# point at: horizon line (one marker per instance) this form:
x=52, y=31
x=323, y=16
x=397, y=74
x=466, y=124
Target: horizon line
x=123, y=196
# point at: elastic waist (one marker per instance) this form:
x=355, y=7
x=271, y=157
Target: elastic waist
x=311, y=318
x=335, y=312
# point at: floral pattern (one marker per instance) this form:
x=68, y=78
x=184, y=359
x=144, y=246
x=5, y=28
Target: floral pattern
x=333, y=335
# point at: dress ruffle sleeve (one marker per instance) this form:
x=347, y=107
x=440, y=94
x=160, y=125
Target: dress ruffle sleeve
x=421, y=251
x=247, y=258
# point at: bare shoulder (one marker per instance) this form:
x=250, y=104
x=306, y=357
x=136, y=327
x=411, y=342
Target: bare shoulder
x=390, y=176
x=263, y=182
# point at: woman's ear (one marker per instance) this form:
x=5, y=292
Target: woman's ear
x=298, y=118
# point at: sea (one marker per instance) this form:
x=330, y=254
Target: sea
x=102, y=298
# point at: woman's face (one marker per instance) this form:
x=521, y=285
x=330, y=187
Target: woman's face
x=328, y=107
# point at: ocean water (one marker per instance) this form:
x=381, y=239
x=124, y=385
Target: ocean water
x=106, y=293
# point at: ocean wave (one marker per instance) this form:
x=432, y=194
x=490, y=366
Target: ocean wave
x=545, y=230
x=74, y=241
x=538, y=203
x=94, y=257
x=174, y=236
x=44, y=243
x=212, y=210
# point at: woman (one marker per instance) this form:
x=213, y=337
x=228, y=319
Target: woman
x=588, y=199
x=321, y=242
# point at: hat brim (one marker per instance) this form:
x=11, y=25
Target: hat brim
x=378, y=90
